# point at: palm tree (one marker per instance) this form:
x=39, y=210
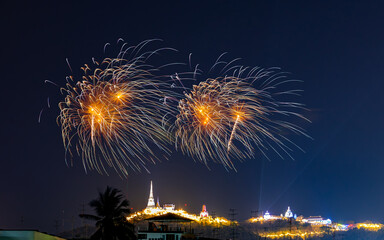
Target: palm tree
x=111, y=209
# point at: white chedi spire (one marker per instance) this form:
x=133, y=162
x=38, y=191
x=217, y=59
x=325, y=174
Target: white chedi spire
x=151, y=201
x=288, y=213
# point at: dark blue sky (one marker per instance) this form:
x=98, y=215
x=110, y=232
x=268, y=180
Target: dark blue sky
x=337, y=48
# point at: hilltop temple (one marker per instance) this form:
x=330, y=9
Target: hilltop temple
x=313, y=220
x=288, y=213
x=151, y=206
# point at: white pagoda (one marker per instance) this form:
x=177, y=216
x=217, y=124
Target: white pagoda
x=151, y=201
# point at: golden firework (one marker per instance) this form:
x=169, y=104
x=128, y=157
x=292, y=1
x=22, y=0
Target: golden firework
x=228, y=118
x=114, y=116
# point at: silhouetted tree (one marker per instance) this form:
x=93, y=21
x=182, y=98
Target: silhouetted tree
x=111, y=209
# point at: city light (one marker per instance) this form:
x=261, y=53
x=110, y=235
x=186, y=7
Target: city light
x=309, y=226
x=282, y=234
x=369, y=226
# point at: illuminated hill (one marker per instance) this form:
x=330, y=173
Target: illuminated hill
x=153, y=210
x=284, y=226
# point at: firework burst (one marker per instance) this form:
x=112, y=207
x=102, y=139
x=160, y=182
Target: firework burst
x=229, y=118
x=115, y=116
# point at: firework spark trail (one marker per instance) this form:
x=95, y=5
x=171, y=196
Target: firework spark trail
x=233, y=132
x=113, y=116
x=41, y=112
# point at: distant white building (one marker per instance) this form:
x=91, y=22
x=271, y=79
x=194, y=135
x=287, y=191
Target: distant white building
x=288, y=213
x=267, y=216
x=169, y=207
x=317, y=220
x=313, y=220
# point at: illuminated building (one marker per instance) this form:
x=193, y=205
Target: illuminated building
x=267, y=216
x=204, y=212
x=288, y=213
x=317, y=220
x=169, y=207
x=151, y=201
x=313, y=220
x=340, y=227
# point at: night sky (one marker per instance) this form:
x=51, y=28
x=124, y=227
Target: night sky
x=335, y=47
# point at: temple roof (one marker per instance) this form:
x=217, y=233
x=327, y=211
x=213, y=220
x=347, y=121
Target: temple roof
x=169, y=217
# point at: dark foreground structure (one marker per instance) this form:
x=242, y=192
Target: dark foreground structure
x=166, y=227
x=26, y=235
